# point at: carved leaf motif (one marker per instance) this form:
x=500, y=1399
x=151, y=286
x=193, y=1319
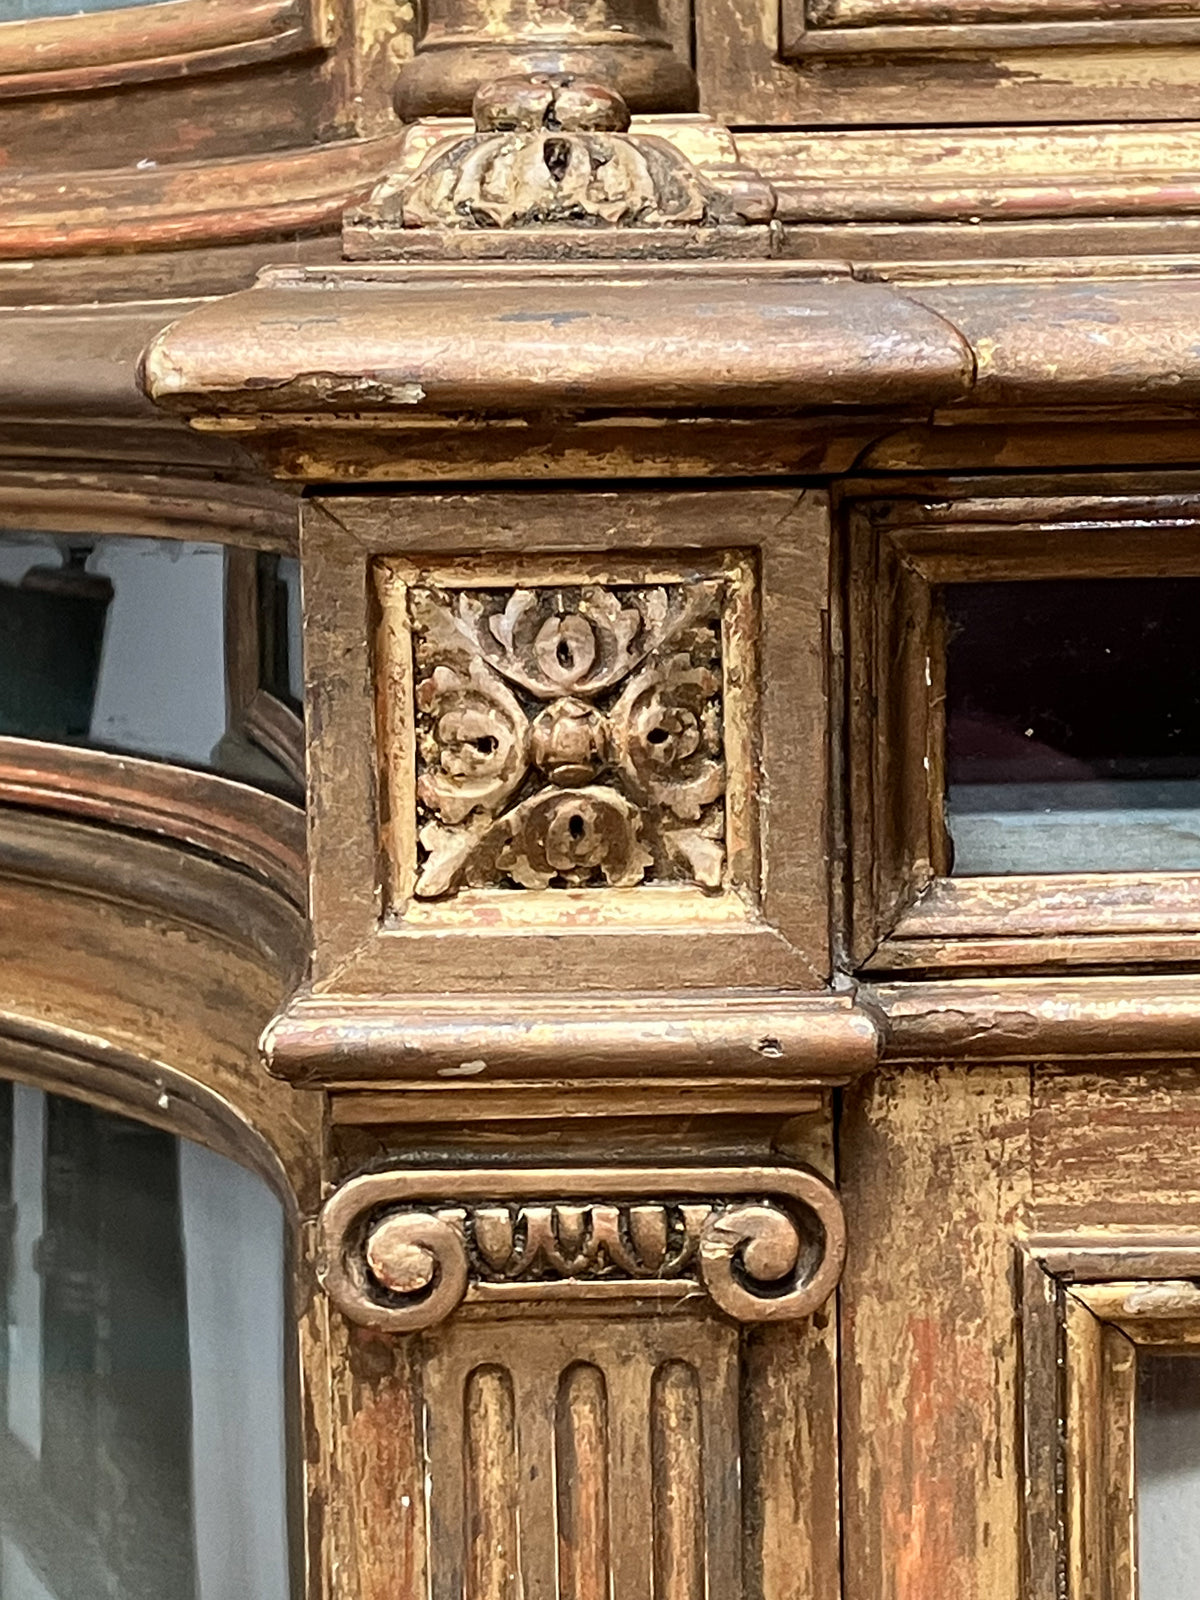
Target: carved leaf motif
x=449, y=853
x=571, y=835
x=569, y=736
x=477, y=749
x=552, y=646
x=701, y=851
x=530, y=177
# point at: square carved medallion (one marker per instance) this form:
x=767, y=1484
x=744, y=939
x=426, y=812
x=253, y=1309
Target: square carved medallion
x=554, y=727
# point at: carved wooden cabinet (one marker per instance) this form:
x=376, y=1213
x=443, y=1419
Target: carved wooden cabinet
x=705, y=951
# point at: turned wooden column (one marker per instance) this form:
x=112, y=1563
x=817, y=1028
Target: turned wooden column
x=619, y=43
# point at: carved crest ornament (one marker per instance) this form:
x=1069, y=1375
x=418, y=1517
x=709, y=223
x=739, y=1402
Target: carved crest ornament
x=569, y=736
x=561, y=154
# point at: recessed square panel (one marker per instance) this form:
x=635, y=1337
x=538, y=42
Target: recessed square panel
x=556, y=727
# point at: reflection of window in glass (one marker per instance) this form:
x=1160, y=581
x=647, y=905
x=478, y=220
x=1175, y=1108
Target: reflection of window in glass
x=279, y=619
x=1073, y=725
x=122, y=644
x=141, y=1422
x=1168, y=1475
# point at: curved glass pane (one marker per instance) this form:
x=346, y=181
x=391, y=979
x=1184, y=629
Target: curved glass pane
x=142, y=1445
x=154, y=647
x=26, y=10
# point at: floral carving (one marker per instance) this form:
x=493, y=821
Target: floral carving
x=569, y=736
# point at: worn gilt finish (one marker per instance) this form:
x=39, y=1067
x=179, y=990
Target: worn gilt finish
x=771, y=1253
x=566, y=735
x=696, y=1190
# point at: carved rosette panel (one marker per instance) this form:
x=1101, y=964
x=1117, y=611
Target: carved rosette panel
x=399, y=1251
x=570, y=735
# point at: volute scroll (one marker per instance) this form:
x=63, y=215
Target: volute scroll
x=400, y=1251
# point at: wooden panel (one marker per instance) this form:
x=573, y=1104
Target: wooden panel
x=1135, y=69
x=934, y=1164
x=1111, y=1149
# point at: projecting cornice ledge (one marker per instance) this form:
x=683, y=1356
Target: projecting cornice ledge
x=397, y=343
x=346, y=371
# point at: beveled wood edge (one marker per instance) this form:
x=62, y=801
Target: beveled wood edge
x=84, y=1067
x=891, y=349
x=55, y=55
x=232, y=822
x=548, y=1044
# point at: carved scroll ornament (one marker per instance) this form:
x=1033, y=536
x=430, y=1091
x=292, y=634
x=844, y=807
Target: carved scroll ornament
x=569, y=736
x=399, y=1251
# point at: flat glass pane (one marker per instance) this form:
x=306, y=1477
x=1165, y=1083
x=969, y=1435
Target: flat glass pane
x=127, y=645
x=1073, y=725
x=1168, y=1475
x=142, y=1449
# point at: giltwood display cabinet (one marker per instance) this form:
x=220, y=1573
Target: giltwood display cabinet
x=599, y=800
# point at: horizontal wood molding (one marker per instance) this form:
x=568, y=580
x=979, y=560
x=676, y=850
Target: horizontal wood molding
x=743, y=1039
x=187, y=205
x=1115, y=1018
x=231, y=821
x=979, y=174
x=130, y=44
x=772, y=335
x=154, y=505
x=915, y=30
x=1148, y=173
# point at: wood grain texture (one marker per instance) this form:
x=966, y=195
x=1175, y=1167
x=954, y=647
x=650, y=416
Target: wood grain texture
x=937, y=1165
x=677, y=1465
x=56, y=55
x=582, y=1466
